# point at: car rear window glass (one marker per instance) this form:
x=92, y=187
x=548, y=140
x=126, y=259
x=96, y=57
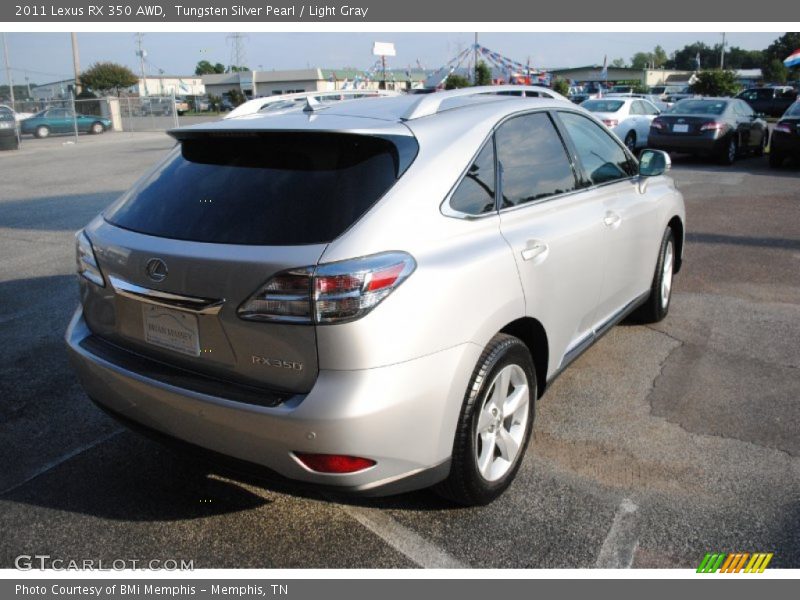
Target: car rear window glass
x=603, y=105
x=793, y=111
x=272, y=188
x=699, y=107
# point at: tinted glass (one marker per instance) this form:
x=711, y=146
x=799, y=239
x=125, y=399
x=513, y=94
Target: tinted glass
x=649, y=108
x=602, y=158
x=765, y=94
x=794, y=110
x=265, y=189
x=534, y=162
x=602, y=105
x=699, y=107
x=6, y=115
x=475, y=194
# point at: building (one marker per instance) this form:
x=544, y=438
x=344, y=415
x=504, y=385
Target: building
x=254, y=84
x=55, y=90
x=645, y=77
x=167, y=85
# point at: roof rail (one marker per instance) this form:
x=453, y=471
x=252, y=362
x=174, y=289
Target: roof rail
x=252, y=107
x=428, y=104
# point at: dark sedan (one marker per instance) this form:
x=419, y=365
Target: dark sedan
x=724, y=128
x=786, y=137
x=62, y=120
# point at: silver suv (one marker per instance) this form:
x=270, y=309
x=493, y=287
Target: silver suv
x=371, y=295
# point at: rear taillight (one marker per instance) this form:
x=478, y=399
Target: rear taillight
x=783, y=127
x=86, y=263
x=330, y=293
x=713, y=126
x=610, y=122
x=334, y=463
x=657, y=125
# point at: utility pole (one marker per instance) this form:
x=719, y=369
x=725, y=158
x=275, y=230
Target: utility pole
x=722, y=54
x=141, y=54
x=475, y=61
x=28, y=83
x=238, y=56
x=76, y=64
x=8, y=71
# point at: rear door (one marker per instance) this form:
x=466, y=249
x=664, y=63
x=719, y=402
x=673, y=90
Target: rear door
x=209, y=227
x=553, y=228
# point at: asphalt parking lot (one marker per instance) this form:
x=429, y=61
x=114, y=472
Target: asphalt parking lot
x=658, y=445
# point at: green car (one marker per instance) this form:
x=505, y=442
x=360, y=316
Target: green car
x=63, y=120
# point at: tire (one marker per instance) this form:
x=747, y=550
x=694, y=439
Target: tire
x=630, y=142
x=729, y=152
x=656, y=307
x=478, y=473
x=96, y=128
x=42, y=131
x=776, y=159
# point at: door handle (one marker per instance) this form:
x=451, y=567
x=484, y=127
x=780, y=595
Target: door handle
x=533, y=250
x=611, y=219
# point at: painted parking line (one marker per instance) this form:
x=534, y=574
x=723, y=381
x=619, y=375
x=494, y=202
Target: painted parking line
x=620, y=544
x=409, y=543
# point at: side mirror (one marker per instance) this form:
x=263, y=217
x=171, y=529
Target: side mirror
x=653, y=163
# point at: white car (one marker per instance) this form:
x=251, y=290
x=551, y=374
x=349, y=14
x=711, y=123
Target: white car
x=628, y=117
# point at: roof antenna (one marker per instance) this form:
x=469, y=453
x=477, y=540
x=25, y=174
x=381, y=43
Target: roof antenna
x=312, y=105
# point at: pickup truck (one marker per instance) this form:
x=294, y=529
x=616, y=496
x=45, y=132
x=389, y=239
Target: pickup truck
x=772, y=101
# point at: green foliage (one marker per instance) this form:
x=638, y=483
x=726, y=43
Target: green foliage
x=640, y=88
x=650, y=60
x=108, y=77
x=483, y=74
x=618, y=63
x=775, y=71
x=206, y=68
x=779, y=50
x=20, y=92
x=455, y=81
x=715, y=82
x=215, y=102
x=561, y=86
x=236, y=96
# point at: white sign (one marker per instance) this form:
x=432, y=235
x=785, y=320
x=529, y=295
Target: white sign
x=383, y=49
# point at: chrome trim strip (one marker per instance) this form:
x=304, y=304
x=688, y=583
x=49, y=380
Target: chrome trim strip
x=192, y=304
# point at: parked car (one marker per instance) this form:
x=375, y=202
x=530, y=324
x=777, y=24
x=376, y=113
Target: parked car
x=162, y=106
x=9, y=131
x=724, y=128
x=372, y=299
x=663, y=91
x=772, y=100
x=785, y=141
x=654, y=100
x=181, y=105
x=63, y=120
x=18, y=116
x=627, y=117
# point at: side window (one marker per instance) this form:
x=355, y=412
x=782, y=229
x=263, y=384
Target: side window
x=649, y=108
x=764, y=94
x=475, y=194
x=533, y=161
x=602, y=157
x=749, y=95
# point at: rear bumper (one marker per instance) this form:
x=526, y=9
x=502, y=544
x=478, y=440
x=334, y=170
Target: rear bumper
x=687, y=144
x=403, y=416
x=785, y=144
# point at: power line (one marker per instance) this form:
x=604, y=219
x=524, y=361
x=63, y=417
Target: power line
x=238, y=54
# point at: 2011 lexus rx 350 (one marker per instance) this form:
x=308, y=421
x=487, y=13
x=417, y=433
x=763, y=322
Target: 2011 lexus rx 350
x=371, y=295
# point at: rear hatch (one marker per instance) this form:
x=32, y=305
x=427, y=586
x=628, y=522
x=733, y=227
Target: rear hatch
x=209, y=226
x=684, y=125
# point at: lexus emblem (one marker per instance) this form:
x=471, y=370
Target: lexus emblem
x=156, y=269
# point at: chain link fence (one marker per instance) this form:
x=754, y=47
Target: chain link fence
x=149, y=113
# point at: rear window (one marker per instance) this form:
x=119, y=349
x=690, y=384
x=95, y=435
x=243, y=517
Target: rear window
x=274, y=188
x=794, y=110
x=6, y=115
x=609, y=106
x=699, y=107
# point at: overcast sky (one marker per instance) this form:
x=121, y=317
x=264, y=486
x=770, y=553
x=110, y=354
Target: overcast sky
x=48, y=57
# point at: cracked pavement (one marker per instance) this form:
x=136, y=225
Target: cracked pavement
x=685, y=432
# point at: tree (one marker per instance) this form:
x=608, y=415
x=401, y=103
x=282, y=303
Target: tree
x=618, y=63
x=780, y=49
x=684, y=59
x=775, y=71
x=455, y=81
x=739, y=58
x=641, y=60
x=483, y=74
x=236, y=96
x=206, y=68
x=660, y=57
x=108, y=77
x=715, y=82
x=561, y=86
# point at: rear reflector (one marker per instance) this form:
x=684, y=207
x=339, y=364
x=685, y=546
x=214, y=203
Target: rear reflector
x=610, y=122
x=334, y=463
x=713, y=126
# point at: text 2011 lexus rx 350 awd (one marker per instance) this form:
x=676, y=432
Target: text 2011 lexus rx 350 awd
x=371, y=295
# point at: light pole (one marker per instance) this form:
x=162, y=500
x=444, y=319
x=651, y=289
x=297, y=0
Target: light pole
x=722, y=54
x=8, y=71
x=76, y=63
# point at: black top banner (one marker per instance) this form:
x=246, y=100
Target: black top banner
x=265, y=11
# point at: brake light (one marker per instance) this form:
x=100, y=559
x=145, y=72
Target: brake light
x=656, y=124
x=330, y=293
x=713, y=126
x=334, y=463
x=783, y=127
x=86, y=263
x=610, y=122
